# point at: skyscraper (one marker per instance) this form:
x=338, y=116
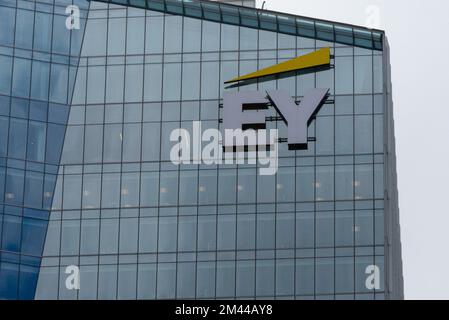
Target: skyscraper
x=91, y=93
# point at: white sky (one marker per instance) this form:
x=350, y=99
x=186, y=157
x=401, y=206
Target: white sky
x=418, y=32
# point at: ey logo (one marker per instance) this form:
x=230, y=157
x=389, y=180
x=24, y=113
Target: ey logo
x=246, y=110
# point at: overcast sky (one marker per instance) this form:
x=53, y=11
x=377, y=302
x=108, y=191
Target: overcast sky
x=418, y=32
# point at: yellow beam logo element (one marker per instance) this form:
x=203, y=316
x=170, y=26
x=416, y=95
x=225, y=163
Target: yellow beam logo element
x=315, y=59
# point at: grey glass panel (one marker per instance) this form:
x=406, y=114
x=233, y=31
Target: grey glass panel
x=191, y=81
x=207, y=187
x=127, y=281
x=107, y=282
x=61, y=35
x=149, y=188
x=266, y=231
x=363, y=74
x=112, y=143
x=325, y=135
x=305, y=230
x=146, y=283
x=5, y=76
x=246, y=186
x=324, y=229
x=266, y=188
x=24, y=27
x=6, y=25
x=248, y=39
x=88, y=288
x=192, y=35
x=211, y=36
x=364, y=227
x=344, y=182
x=39, y=80
x=166, y=280
x=96, y=84
x=42, y=31
x=173, y=31
x=364, y=182
x=324, y=183
x=93, y=144
x=167, y=234
x=58, y=83
x=245, y=278
x=130, y=189
x=363, y=134
x=205, y=285
x=109, y=230
x=187, y=233
x=33, y=189
x=207, y=233
x=154, y=34
x=116, y=36
x=73, y=146
x=17, y=138
x=267, y=40
x=3, y=136
x=285, y=272
x=135, y=30
x=150, y=141
x=52, y=240
x=226, y=232
x=344, y=228
x=168, y=188
x=229, y=37
x=94, y=43
x=128, y=235
x=344, y=135
x=188, y=189
x=285, y=186
x=186, y=280
x=133, y=83
x=265, y=281
x=209, y=80
x=344, y=77
x=225, y=278
x=70, y=233
x=172, y=81
x=36, y=141
x=114, y=83
x=47, y=288
x=246, y=231
x=344, y=275
x=148, y=235
x=90, y=230
x=131, y=142
x=305, y=178
x=21, y=77
x=72, y=192
x=378, y=74
x=227, y=186
x=285, y=230
x=324, y=279
x=378, y=134
x=305, y=276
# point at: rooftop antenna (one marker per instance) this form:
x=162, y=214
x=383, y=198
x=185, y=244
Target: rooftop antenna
x=263, y=5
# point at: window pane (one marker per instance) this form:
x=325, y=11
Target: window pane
x=363, y=73
x=187, y=234
x=207, y=233
x=344, y=228
x=226, y=232
x=305, y=230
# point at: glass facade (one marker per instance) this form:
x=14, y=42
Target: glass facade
x=85, y=157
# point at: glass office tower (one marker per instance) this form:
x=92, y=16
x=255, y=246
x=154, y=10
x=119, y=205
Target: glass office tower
x=86, y=179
